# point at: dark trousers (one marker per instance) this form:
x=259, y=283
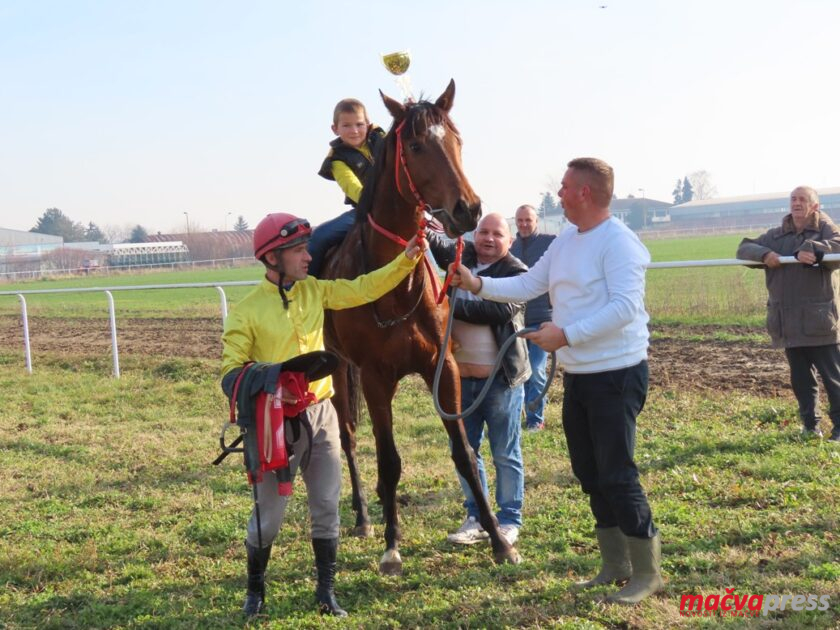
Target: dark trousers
x=805, y=362
x=327, y=235
x=599, y=419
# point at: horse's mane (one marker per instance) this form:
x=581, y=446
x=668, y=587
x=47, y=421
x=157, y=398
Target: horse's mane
x=419, y=117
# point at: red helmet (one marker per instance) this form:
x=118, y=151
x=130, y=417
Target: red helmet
x=279, y=230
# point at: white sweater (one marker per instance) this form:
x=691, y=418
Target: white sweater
x=596, y=281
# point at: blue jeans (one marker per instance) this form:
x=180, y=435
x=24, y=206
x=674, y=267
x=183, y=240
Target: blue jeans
x=500, y=412
x=534, y=385
x=327, y=235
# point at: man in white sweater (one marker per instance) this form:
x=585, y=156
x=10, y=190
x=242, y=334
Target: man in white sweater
x=595, y=274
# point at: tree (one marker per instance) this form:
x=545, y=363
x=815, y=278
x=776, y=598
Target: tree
x=687, y=190
x=241, y=224
x=55, y=222
x=138, y=235
x=701, y=183
x=678, y=192
x=548, y=206
x=93, y=233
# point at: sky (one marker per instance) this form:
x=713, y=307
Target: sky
x=162, y=112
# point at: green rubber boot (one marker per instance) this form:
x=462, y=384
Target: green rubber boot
x=615, y=561
x=645, y=555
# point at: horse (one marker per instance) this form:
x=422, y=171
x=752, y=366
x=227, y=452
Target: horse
x=418, y=169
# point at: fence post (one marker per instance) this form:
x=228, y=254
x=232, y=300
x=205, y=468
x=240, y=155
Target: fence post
x=26, y=349
x=113, y=318
x=224, y=303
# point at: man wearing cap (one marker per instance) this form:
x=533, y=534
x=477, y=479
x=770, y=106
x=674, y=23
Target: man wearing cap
x=281, y=318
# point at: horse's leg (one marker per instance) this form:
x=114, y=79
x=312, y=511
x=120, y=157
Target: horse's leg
x=379, y=392
x=465, y=462
x=346, y=401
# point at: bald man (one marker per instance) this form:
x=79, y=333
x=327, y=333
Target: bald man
x=479, y=329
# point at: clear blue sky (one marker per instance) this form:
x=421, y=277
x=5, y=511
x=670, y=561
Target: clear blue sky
x=123, y=112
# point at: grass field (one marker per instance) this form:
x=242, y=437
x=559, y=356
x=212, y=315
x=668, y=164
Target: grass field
x=112, y=517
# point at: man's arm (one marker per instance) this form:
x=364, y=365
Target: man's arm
x=342, y=293
x=756, y=249
x=521, y=288
x=442, y=249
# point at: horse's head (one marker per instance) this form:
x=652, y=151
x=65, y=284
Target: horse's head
x=428, y=161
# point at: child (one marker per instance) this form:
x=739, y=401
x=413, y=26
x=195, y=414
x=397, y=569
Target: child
x=350, y=157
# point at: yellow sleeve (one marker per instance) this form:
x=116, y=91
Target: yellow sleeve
x=342, y=293
x=347, y=180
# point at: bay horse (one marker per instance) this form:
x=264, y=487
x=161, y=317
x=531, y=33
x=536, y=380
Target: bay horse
x=418, y=168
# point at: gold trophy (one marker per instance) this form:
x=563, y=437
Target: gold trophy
x=397, y=64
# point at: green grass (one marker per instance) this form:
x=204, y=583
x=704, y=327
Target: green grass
x=112, y=517
x=134, y=303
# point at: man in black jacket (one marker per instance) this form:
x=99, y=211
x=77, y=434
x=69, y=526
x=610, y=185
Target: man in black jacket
x=479, y=330
x=529, y=247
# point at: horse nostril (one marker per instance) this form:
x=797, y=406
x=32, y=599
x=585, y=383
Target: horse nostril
x=466, y=216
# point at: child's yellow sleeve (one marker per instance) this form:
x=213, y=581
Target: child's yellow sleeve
x=347, y=180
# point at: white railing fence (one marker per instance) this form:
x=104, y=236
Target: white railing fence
x=219, y=286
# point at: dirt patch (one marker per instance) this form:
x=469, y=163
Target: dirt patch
x=750, y=367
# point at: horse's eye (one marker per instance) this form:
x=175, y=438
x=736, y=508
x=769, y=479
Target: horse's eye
x=415, y=147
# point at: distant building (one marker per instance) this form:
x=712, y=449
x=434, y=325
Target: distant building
x=21, y=250
x=212, y=245
x=754, y=211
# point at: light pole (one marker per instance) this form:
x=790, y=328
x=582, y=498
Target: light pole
x=226, y=216
x=644, y=208
x=187, y=214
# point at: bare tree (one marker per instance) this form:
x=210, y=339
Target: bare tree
x=701, y=184
x=117, y=233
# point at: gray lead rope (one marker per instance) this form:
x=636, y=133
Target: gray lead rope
x=489, y=381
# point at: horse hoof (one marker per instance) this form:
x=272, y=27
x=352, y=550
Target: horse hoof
x=391, y=563
x=362, y=531
x=511, y=557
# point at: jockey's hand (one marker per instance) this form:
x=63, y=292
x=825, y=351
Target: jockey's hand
x=463, y=278
x=416, y=246
x=549, y=337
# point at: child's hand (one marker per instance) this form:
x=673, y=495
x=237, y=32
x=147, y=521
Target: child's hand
x=416, y=246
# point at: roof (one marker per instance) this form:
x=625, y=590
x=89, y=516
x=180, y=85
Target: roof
x=749, y=198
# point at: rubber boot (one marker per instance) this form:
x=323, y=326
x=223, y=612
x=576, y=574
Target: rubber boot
x=257, y=562
x=325, y=553
x=615, y=560
x=645, y=557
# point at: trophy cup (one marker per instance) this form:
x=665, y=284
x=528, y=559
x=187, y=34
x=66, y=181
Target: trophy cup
x=397, y=64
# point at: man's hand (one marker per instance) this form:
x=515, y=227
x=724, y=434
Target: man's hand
x=461, y=277
x=416, y=246
x=771, y=259
x=807, y=258
x=549, y=337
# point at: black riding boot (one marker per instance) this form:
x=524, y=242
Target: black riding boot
x=257, y=562
x=325, y=552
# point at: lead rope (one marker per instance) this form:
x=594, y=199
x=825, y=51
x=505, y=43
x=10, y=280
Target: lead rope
x=489, y=381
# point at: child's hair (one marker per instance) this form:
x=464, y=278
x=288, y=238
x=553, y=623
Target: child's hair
x=348, y=106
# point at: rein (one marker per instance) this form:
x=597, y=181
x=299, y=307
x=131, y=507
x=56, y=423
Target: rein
x=422, y=208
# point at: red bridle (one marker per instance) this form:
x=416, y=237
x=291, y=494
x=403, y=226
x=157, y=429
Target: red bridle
x=422, y=208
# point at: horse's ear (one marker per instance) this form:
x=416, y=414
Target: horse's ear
x=446, y=99
x=396, y=108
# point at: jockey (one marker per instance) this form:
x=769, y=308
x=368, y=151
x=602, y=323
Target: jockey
x=281, y=318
